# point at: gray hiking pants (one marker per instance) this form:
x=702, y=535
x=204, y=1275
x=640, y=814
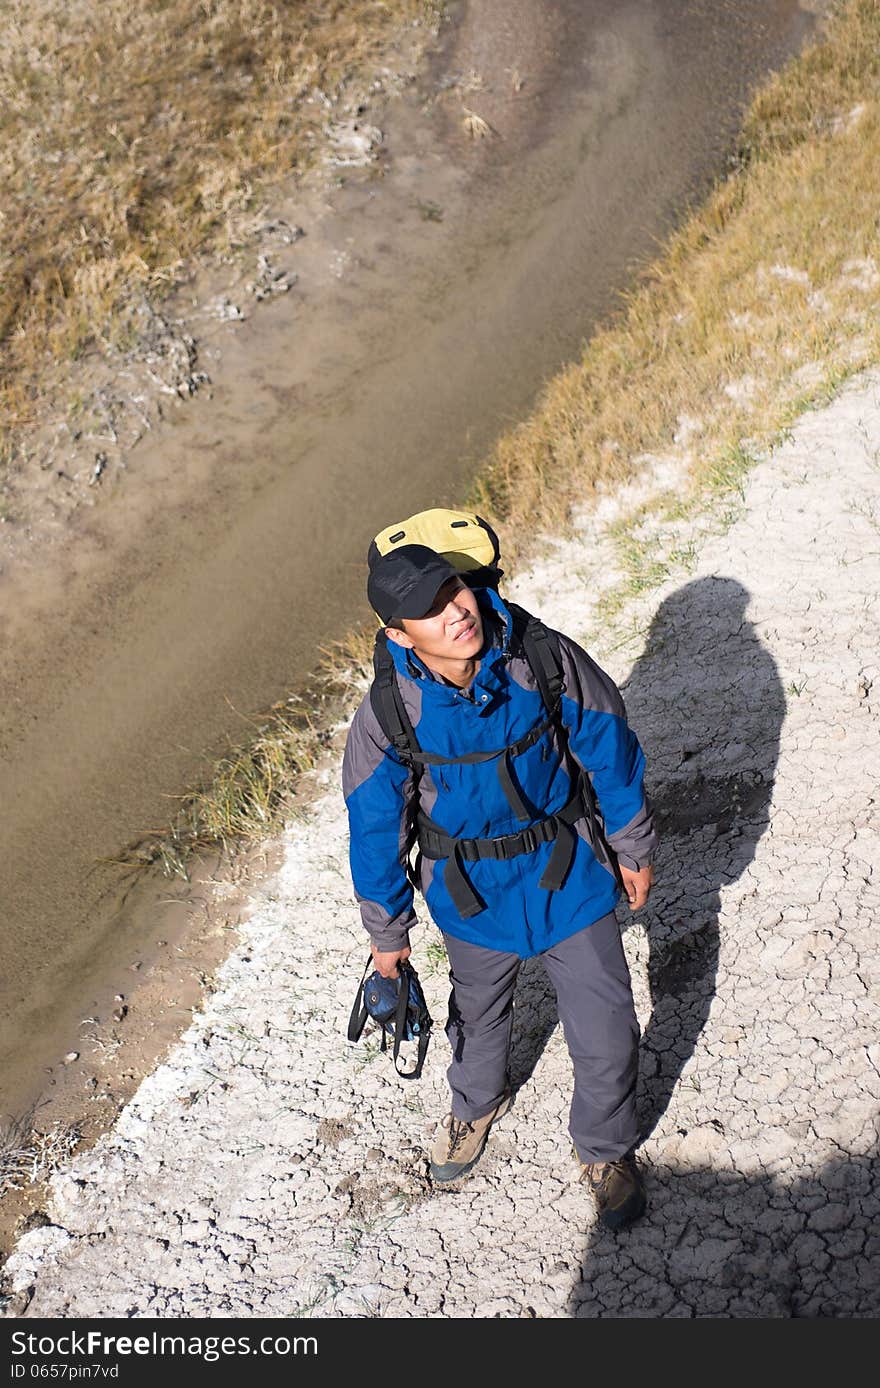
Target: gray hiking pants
x=591, y=978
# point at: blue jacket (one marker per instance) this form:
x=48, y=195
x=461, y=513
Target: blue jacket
x=468, y=801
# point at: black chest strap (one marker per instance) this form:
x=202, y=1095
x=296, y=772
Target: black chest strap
x=435, y=843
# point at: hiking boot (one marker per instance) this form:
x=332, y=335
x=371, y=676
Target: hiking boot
x=459, y=1144
x=617, y=1188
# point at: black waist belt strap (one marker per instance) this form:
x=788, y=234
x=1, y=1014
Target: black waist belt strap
x=435, y=843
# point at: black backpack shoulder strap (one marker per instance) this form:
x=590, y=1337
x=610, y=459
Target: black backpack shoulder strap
x=540, y=646
x=387, y=703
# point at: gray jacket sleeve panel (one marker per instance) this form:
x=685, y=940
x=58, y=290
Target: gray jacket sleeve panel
x=636, y=843
x=586, y=682
x=379, y=794
x=606, y=747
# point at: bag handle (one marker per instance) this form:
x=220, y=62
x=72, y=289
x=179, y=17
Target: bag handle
x=407, y=974
x=359, y=1014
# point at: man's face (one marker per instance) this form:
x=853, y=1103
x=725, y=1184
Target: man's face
x=451, y=630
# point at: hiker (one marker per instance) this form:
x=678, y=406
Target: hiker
x=473, y=743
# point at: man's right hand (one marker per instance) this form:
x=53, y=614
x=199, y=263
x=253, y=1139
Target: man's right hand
x=387, y=963
x=637, y=885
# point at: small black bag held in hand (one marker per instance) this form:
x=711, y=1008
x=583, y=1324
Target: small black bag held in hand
x=398, y=1005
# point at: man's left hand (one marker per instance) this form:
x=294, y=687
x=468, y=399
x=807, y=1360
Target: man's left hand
x=637, y=885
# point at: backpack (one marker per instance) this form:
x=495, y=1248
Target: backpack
x=476, y=555
x=462, y=537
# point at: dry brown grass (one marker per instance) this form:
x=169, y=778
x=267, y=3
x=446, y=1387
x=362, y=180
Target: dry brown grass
x=767, y=297
x=29, y=1155
x=475, y=126
x=763, y=302
x=134, y=137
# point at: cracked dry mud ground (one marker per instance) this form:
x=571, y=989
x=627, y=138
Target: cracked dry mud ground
x=269, y=1168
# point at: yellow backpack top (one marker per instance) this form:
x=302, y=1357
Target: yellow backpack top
x=465, y=539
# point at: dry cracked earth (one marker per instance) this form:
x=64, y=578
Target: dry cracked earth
x=270, y=1168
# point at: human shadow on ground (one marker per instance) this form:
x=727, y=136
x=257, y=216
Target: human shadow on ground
x=719, y=1244
x=707, y=704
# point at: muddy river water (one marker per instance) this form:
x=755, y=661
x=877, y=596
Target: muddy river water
x=436, y=292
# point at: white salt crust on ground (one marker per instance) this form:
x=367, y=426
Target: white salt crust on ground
x=269, y=1168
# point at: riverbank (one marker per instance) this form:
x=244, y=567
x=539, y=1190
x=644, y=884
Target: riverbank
x=270, y=1168
x=759, y=593
x=129, y=164
x=818, y=322
x=438, y=286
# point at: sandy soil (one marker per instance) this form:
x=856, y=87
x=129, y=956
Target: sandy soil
x=269, y=1168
